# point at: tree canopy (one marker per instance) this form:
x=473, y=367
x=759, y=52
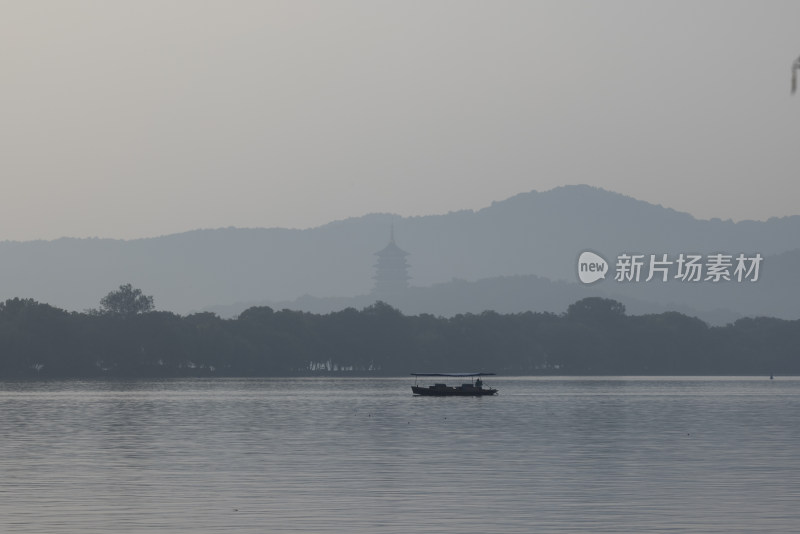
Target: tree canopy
x=126, y=301
x=595, y=336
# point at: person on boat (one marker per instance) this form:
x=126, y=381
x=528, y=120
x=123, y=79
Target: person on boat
x=479, y=383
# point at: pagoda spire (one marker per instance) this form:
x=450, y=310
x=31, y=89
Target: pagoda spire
x=391, y=270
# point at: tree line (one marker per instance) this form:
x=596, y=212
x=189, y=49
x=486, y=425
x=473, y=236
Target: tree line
x=127, y=338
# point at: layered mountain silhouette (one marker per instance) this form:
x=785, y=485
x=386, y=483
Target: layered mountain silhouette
x=514, y=255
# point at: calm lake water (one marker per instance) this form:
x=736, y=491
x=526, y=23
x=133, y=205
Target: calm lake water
x=364, y=455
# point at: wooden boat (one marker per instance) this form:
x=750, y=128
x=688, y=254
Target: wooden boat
x=473, y=388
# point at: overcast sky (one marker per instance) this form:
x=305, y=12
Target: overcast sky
x=140, y=118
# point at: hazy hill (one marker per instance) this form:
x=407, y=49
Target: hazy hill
x=509, y=294
x=535, y=233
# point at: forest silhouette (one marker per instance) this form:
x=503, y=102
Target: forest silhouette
x=593, y=337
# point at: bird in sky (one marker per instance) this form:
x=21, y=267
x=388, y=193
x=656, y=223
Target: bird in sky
x=795, y=68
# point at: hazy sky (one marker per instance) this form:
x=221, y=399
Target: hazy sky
x=140, y=118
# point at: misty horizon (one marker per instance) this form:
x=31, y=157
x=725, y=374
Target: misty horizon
x=404, y=216
x=514, y=255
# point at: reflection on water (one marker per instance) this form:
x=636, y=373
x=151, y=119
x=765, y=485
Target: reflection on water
x=364, y=455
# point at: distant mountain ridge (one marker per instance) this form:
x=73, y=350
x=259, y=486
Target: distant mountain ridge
x=530, y=234
x=717, y=305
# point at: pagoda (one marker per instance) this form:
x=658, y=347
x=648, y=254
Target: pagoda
x=391, y=271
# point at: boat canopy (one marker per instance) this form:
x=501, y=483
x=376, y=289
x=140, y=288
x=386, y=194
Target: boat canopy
x=452, y=374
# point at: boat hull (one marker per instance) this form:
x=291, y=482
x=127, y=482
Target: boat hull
x=450, y=391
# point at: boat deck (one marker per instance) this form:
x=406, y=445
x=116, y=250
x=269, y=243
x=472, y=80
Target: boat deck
x=468, y=389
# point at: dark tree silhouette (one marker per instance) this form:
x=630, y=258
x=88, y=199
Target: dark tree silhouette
x=126, y=301
x=595, y=309
x=595, y=337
